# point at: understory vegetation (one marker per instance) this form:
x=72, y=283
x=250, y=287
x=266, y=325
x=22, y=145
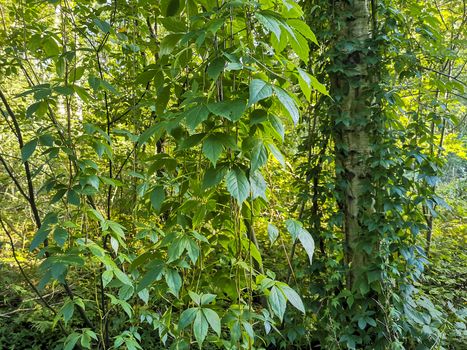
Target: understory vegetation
x=233, y=174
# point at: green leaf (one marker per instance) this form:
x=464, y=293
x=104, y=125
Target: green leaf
x=273, y=233
x=39, y=237
x=304, y=81
x=259, y=90
x=303, y=28
x=277, y=301
x=212, y=177
x=296, y=230
x=212, y=148
x=73, y=197
x=196, y=115
x=293, y=297
x=169, y=43
x=300, y=46
x=318, y=86
x=259, y=155
x=122, y=277
x=215, y=68
x=253, y=249
x=102, y=25
x=307, y=242
x=277, y=125
x=107, y=276
x=269, y=22
x=28, y=149
x=67, y=311
x=237, y=185
x=157, y=198
x=60, y=236
x=154, y=273
x=258, y=185
x=276, y=153
x=200, y=327
x=213, y=320
x=232, y=110
x=288, y=103
x=187, y=317
x=174, y=281
x=71, y=341
x=207, y=298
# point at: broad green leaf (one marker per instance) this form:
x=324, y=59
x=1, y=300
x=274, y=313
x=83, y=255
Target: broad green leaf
x=300, y=46
x=307, y=242
x=259, y=90
x=292, y=297
x=71, y=341
x=276, y=153
x=296, y=230
x=207, y=298
x=213, y=176
x=253, y=250
x=303, y=28
x=237, y=184
x=288, y=103
x=269, y=22
x=258, y=185
x=187, y=317
x=102, y=25
x=294, y=227
x=215, y=68
x=212, y=148
x=107, y=276
x=200, y=327
x=259, y=155
x=196, y=116
x=60, y=236
x=174, y=281
x=28, y=149
x=273, y=233
x=213, y=320
x=318, y=86
x=277, y=125
x=39, y=237
x=277, y=301
x=232, y=110
x=122, y=277
x=67, y=310
x=304, y=81
x=168, y=44
x=157, y=198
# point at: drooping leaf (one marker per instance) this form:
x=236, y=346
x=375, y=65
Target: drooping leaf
x=196, y=116
x=200, y=327
x=277, y=301
x=174, y=281
x=213, y=320
x=157, y=198
x=308, y=243
x=60, y=236
x=293, y=297
x=28, y=149
x=273, y=233
x=212, y=148
x=237, y=184
x=288, y=103
x=259, y=90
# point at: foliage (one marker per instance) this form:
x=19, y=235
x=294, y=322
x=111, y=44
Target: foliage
x=172, y=175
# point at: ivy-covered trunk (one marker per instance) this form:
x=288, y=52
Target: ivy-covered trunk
x=352, y=91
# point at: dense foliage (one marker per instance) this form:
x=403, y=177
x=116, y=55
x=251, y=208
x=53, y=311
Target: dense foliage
x=233, y=174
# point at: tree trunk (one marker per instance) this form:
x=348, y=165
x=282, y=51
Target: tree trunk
x=351, y=90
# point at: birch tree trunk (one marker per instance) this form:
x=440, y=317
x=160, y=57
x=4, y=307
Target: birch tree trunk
x=351, y=89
